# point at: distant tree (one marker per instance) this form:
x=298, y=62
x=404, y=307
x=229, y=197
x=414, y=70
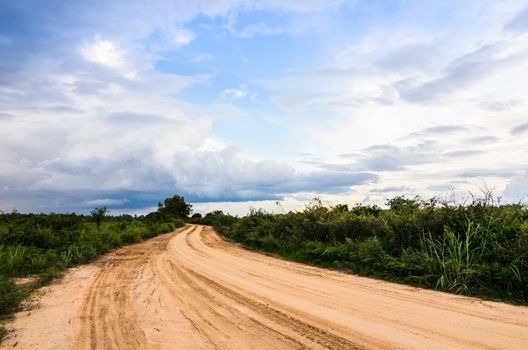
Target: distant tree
x=175, y=207
x=340, y=208
x=98, y=214
x=196, y=218
x=402, y=204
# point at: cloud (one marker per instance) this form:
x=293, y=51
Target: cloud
x=106, y=202
x=461, y=72
x=254, y=30
x=138, y=118
x=439, y=130
x=519, y=23
x=426, y=146
x=124, y=182
x=484, y=173
x=104, y=52
x=517, y=188
x=236, y=92
x=463, y=153
x=482, y=140
x=183, y=37
x=520, y=129
x=501, y=106
x=392, y=189
x=390, y=157
x=224, y=175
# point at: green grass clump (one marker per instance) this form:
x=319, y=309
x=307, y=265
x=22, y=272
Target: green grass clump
x=10, y=296
x=3, y=332
x=478, y=249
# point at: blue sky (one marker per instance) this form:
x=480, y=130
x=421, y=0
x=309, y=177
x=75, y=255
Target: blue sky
x=239, y=104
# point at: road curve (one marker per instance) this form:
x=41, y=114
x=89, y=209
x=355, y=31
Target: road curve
x=192, y=290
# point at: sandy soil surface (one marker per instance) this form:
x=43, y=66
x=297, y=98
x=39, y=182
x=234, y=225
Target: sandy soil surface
x=192, y=290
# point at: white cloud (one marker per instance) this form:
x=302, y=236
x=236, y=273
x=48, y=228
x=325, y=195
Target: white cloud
x=236, y=92
x=104, y=52
x=106, y=202
x=255, y=30
x=517, y=189
x=182, y=37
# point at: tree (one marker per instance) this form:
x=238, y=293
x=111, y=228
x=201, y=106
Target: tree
x=175, y=207
x=98, y=215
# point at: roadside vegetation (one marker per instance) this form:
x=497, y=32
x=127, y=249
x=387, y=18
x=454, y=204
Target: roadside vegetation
x=479, y=248
x=35, y=248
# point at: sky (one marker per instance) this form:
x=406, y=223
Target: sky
x=240, y=104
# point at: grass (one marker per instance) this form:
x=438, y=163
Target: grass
x=10, y=297
x=3, y=333
x=454, y=258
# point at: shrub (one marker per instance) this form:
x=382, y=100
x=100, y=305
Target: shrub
x=10, y=296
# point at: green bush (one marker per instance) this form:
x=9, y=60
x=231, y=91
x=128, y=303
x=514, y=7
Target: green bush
x=10, y=296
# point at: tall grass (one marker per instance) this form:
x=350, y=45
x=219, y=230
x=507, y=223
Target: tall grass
x=454, y=258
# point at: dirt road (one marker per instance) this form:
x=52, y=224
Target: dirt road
x=192, y=290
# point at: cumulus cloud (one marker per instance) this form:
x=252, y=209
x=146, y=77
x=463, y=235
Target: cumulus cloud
x=392, y=157
x=426, y=146
x=221, y=175
x=136, y=177
x=104, y=52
